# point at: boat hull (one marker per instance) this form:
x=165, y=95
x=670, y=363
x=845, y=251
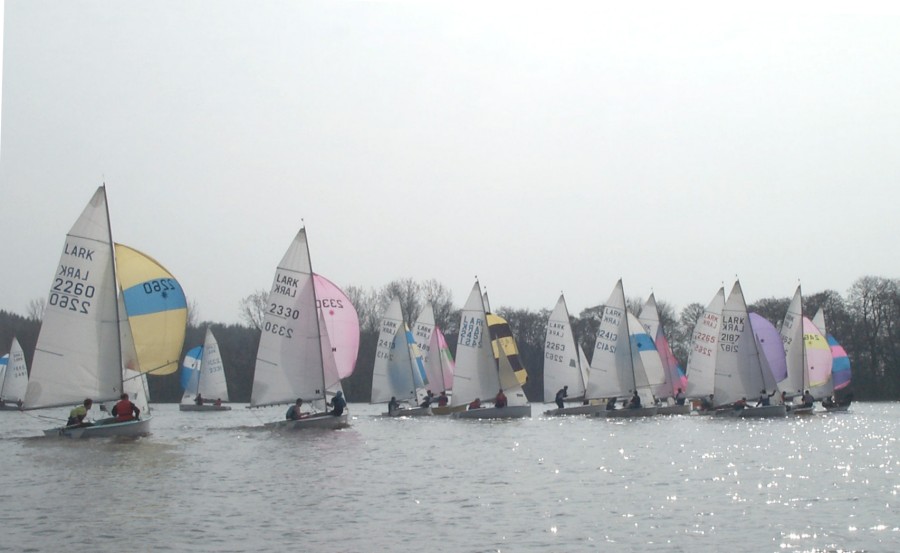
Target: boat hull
x=325, y=421
x=412, y=412
x=194, y=407
x=104, y=428
x=762, y=412
x=590, y=410
x=628, y=413
x=802, y=411
x=674, y=410
x=4, y=406
x=486, y=413
x=838, y=409
x=447, y=409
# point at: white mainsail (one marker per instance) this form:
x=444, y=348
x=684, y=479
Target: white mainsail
x=611, y=373
x=672, y=379
x=646, y=364
x=562, y=362
x=395, y=371
x=739, y=369
x=701, y=365
x=211, y=383
x=427, y=337
x=14, y=381
x=792, y=336
x=78, y=354
x=476, y=373
x=289, y=361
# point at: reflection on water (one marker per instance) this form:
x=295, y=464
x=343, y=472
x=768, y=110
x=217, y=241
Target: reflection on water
x=219, y=482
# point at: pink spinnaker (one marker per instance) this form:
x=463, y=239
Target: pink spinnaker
x=341, y=323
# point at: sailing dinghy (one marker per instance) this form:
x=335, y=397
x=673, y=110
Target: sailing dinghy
x=741, y=369
x=289, y=362
x=674, y=379
x=203, y=378
x=13, y=378
x=617, y=367
x=79, y=351
x=436, y=357
x=398, y=373
x=564, y=364
x=479, y=375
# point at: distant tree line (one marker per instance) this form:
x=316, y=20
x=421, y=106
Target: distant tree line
x=866, y=322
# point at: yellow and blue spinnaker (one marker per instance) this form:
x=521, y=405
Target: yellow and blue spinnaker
x=156, y=309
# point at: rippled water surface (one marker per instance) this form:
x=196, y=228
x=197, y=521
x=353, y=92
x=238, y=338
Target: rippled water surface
x=215, y=482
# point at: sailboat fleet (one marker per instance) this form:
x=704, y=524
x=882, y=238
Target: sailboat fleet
x=114, y=315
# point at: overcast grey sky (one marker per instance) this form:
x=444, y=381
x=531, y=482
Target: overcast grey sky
x=541, y=146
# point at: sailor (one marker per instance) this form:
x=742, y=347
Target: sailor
x=563, y=392
x=77, y=415
x=124, y=410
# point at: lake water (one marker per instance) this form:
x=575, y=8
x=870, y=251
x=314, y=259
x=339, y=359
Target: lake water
x=214, y=482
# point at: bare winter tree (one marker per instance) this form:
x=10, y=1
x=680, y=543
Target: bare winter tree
x=366, y=304
x=253, y=309
x=441, y=299
x=36, y=309
x=679, y=335
x=193, y=313
x=408, y=291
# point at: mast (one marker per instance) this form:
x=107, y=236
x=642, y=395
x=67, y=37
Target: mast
x=412, y=362
x=575, y=340
x=316, y=307
x=112, y=253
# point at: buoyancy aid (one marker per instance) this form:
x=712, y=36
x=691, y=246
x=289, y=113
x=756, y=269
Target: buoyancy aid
x=124, y=410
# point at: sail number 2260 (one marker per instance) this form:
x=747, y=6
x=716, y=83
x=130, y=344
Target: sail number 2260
x=70, y=295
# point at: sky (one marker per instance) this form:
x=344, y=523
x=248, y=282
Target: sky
x=544, y=147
